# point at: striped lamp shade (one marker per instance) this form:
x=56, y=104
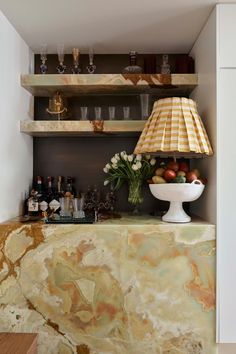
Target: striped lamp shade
x=174, y=127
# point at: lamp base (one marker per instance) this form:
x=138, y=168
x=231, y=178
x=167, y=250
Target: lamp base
x=176, y=213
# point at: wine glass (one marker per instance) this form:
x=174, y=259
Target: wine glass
x=76, y=68
x=60, y=51
x=91, y=67
x=43, y=57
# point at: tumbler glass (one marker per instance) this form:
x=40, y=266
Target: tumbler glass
x=144, y=98
x=126, y=111
x=84, y=113
x=98, y=111
x=112, y=111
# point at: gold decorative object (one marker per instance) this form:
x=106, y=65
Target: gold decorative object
x=174, y=127
x=57, y=106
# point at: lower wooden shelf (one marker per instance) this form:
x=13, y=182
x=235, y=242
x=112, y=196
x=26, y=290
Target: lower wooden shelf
x=43, y=128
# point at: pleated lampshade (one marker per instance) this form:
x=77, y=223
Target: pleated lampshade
x=174, y=127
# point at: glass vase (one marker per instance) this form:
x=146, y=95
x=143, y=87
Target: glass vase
x=135, y=193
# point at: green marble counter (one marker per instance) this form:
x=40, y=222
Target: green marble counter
x=133, y=285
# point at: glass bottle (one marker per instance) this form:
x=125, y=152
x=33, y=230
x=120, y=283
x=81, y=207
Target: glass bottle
x=35, y=198
x=133, y=68
x=165, y=67
x=70, y=190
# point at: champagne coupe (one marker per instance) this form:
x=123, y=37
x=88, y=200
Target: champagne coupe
x=76, y=68
x=60, y=51
x=43, y=57
x=91, y=67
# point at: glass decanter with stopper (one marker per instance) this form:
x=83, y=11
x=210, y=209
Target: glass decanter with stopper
x=133, y=68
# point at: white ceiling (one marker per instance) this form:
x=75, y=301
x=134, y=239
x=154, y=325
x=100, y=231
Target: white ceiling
x=110, y=26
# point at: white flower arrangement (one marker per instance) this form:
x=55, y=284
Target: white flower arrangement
x=126, y=167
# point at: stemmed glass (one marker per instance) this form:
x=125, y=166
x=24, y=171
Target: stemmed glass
x=91, y=67
x=76, y=69
x=43, y=57
x=60, y=51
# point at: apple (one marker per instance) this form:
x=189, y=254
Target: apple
x=196, y=171
x=181, y=173
x=183, y=166
x=173, y=165
x=191, y=176
x=159, y=171
x=169, y=175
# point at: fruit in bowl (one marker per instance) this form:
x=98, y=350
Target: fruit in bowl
x=174, y=172
x=175, y=183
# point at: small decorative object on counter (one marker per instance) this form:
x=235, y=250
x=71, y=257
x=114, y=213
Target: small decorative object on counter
x=61, y=68
x=133, y=169
x=174, y=182
x=133, y=68
x=43, y=57
x=76, y=68
x=57, y=106
x=91, y=67
x=165, y=67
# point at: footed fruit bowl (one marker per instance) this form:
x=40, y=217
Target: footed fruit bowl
x=176, y=194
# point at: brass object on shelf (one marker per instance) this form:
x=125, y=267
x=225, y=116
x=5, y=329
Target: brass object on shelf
x=57, y=106
x=98, y=125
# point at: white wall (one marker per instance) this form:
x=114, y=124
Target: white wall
x=215, y=55
x=226, y=169
x=16, y=158
x=204, y=53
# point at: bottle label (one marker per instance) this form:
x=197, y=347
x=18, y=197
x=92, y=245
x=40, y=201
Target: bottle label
x=54, y=205
x=33, y=205
x=43, y=206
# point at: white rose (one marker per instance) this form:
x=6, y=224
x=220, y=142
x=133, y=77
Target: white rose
x=135, y=167
x=106, y=182
x=139, y=164
x=114, y=166
x=125, y=157
x=148, y=157
x=105, y=169
x=130, y=158
x=152, y=162
x=114, y=160
x=139, y=157
x=122, y=153
x=108, y=166
x=117, y=157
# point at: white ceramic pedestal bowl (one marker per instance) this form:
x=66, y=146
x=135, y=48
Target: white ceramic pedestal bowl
x=176, y=194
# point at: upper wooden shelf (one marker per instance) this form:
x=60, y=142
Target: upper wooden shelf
x=73, y=85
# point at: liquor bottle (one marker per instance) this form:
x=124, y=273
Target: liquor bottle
x=33, y=204
x=70, y=190
x=35, y=198
x=52, y=201
x=60, y=188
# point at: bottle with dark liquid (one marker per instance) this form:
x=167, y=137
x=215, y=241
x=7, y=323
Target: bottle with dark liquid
x=35, y=198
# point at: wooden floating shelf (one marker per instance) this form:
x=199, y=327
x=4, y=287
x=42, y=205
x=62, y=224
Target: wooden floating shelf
x=44, y=128
x=74, y=85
